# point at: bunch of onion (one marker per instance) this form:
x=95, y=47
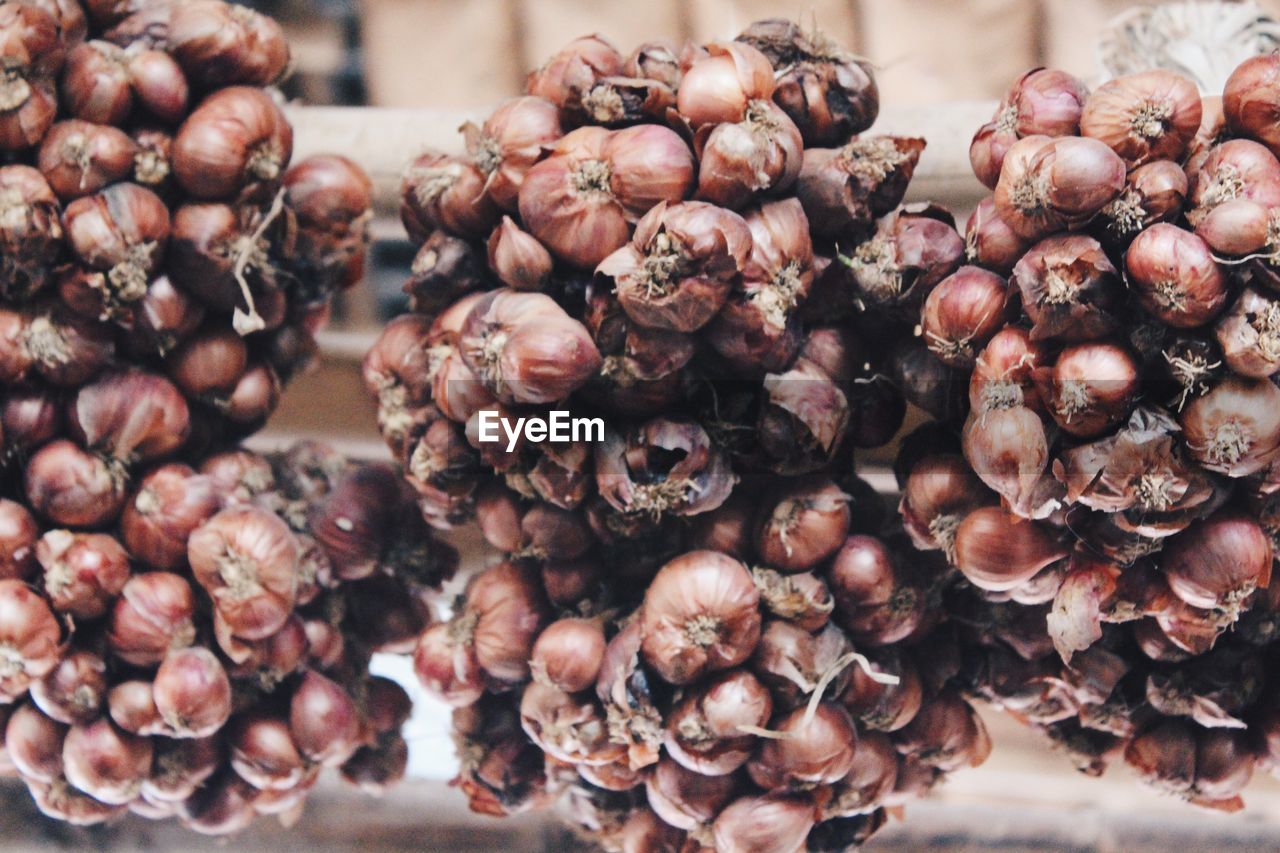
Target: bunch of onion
x=208, y=657
x=163, y=265
x=1108, y=492
x=675, y=241
x=773, y=673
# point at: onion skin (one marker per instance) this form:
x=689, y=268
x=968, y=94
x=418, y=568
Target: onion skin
x=1151, y=115
x=30, y=636
x=1176, y=277
x=1217, y=563
x=819, y=752
x=235, y=137
x=765, y=823
x=998, y=551
x=1234, y=429
x=1251, y=100
x=700, y=614
x=702, y=732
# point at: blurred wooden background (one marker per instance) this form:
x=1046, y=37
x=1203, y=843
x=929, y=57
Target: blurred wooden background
x=459, y=53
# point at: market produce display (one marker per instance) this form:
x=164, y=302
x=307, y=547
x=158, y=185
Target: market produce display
x=185, y=626
x=705, y=628
x=1110, y=494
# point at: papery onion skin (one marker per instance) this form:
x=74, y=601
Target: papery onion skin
x=700, y=614
x=819, y=751
x=1218, y=562
x=1176, y=276
x=998, y=551
x=1251, y=100
x=30, y=637
x=766, y=822
x=1234, y=428
x=1151, y=115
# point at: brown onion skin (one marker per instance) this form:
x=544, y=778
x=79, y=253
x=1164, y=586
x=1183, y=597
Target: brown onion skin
x=946, y=734
x=235, y=138
x=445, y=192
x=152, y=616
x=1041, y=101
x=989, y=242
x=1235, y=169
x=508, y=608
x=998, y=551
x=579, y=200
x=129, y=416
x=509, y=144
x=79, y=158
x=72, y=487
x=105, y=762
x=569, y=74
x=254, y=599
x=817, y=752
x=962, y=313
x=324, y=720
x=122, y=231
x=568, y=654
x=26, y=125
x=545, y=355
x=1151, y=115
x=1176, y=277
x=1155, y=192
x=18, y=535
x=940, y=491
x=1247, y=334
x=885, y=707
x=171, y=502
x=804, y=526
x=31, y=637
x=1234, y=429
x=685, y=799
x=1218, y=562
x=75, y=691
x=1250, y=102
x=702, y=732
x=83, y=572
x=221, y=44
x=830, y=95
x=446, y=667
x=34, y=743
x=710, y=593
x=765, y=822
x=192, y=693
x=1070, y=290
x=719, y=86
x=1048, y=183
x=263, y=753
x=1091, y=388
x=222, y=807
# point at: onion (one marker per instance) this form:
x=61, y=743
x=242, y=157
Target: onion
x=998, y=551
x=700, y=614
x=1151, y=115
x=1234, y=428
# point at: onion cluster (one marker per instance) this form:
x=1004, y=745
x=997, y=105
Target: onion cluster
x=673, y=241
x=208, y=656
x=163, y=265
x=184, y=633
x=700, y=631
x=1108, y=491
x=780, y=678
